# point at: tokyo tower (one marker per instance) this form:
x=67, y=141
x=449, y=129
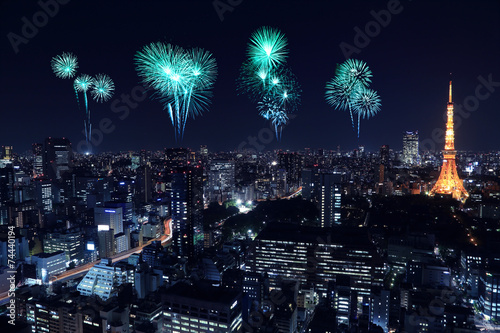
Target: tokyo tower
x=449, y=183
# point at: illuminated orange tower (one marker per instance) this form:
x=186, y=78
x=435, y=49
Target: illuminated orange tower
x=449, y=182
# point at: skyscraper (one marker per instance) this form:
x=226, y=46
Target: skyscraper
x=292, y=163
x=187, y=207
x=410, y=148
x=7, y=152
x=144, y=184
x=37, y=159
x=6, y=184
x=57, y=157
x=221, y=179
x=384, y=162
x=330, y=199
x=449, y=183
x=325, y=190
x=314, y=256
x=109, y=218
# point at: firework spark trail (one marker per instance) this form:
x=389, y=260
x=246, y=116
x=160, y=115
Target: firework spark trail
x=82, y=84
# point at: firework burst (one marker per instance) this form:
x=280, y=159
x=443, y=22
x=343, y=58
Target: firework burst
x=64, y=66
x=348, y=90
x=266, y=80
x=267, y=48
x=366, y=103
x=182, y=79
x=102, y=88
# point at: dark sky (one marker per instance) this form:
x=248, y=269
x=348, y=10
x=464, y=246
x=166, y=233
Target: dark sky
x=411, y=59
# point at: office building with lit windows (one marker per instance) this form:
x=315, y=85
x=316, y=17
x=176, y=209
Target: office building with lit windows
x=221, y=180
x=187, y=207
x=201, y=308
x=48, y=265
x=489, y=293
x=325, y=190
x=315, y=256
x=69, y=242
x=57, y=157
x=51, y=316
x=103, y=280
x=109, y=218
x=379, y=308
x=410, y=148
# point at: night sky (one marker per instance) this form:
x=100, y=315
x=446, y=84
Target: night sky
x=411, y=59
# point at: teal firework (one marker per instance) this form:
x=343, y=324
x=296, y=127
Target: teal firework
x=84, y=83
x=348, y=90
x=65, y=65
x=266, y=80
x=182, y=79
x=103, y=88
x=267, y=48
x=366, y=103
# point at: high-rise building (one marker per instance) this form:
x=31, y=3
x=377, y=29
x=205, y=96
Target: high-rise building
x=313, y=256
x=448, y=182
x=203, y=151
x=127, y=209
x=43, y=195
x=489, y=293
x=385, y=156
x=330, y=199
x=93, y=191
x=49, y=264
x=51, y=315
x=292, y=163
x=106, y=239
x=144, y=184
x=325, y=190
x=384, y=162
x=379, y=308
x=211, y=309
x=7, y=153
x=151, y=254
x=221, y=179
x=411, y=156
x=71, y=243
x=187, y=207
x=37, y=159
x=57, y=157
x=109, y=218
x=6, y=184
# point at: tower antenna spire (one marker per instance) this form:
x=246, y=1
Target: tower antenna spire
x=450, y=94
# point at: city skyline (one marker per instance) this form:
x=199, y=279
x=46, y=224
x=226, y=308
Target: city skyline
x=411, y=55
